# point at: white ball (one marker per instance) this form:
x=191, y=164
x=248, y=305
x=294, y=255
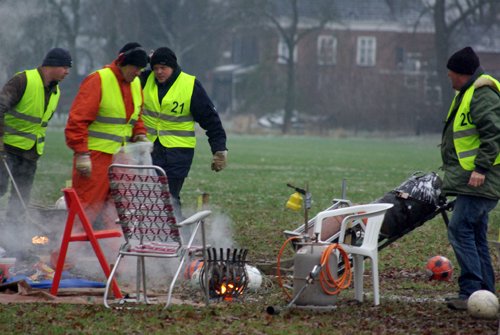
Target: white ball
x=61, y=203
x=254, y=277
x=195, y=278
x=483, y=304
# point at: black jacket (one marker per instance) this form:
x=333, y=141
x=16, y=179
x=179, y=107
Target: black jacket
x=202, y=109
x=177, y=161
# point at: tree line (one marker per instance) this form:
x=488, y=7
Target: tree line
x=202, y=32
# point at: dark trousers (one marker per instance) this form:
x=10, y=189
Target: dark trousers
x=23, y=171
x=176, y=162
x=175, y=186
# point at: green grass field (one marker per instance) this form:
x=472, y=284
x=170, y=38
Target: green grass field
x=252, y=193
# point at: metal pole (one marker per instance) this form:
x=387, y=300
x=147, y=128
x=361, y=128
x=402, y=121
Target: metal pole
x=306, y=211
x=272, y=310
x=307, y=207
x=205, y=264
x=344, y=187
x=14, y=184
x=204, y=205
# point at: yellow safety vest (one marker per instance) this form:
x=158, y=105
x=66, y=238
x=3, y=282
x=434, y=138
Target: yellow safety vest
x=110, y=130
x=170, y=120
x=465, y=134
x=26, y=123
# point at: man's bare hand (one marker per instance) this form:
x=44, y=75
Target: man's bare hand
x=476, y=179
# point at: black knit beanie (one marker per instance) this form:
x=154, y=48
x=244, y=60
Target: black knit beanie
x=57, y=57
x=129, y=46
x=164, y=56
x=133, y=54
x=464, y=61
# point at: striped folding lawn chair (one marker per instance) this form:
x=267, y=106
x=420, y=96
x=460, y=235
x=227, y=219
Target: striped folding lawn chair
x=146, y=215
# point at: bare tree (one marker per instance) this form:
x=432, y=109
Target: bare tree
x=452, y=20
x=94, y=30
x=288, y=20
x=190, y=28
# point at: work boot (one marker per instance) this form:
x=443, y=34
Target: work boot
x=457, y=304
x=453, y=297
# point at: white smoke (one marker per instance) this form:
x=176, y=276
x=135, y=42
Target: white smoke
x=81, y=258
x=159, y=272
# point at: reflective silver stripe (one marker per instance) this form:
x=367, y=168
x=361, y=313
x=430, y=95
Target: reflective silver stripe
x=180, y=133
x=44, y=124
x=13, y=131
x=149, y=113
x=151, y=131
x=468, y=153
x=110, y=120
x=109, y=137
x=41, y=140
x=176, y=118
x=170, y=118
x=32, y=119
x=465, y=133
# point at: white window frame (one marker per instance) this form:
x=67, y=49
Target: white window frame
x=327, y=50
x=366, y=51
x=283, y=52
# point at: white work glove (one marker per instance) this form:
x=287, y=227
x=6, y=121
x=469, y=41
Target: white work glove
x=83, y=164
x=219, y=160
x=140, y=138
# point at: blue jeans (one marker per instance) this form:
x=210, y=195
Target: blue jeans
x=467, y=233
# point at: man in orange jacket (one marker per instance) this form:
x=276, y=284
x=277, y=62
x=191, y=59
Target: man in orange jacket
x=105, y=114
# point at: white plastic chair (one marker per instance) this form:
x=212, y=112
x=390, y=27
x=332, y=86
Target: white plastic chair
x=371, y=217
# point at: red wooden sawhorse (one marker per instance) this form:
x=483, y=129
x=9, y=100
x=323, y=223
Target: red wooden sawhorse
x=75, y=209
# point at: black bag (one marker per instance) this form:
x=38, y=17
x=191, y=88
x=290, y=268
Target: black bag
x=416, y=201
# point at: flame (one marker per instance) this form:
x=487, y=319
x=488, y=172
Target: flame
x=227, y=291
x=40, y=240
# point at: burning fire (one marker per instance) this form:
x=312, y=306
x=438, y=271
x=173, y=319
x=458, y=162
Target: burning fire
x=225, y=273
x=223, y=288
x=227, y=291
x=40, y=240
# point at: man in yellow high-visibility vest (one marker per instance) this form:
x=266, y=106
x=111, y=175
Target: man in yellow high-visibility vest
x=470, y=151
x=27, y=103
x=173, y=102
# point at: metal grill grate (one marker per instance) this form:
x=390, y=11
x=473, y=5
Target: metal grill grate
x=225, y=273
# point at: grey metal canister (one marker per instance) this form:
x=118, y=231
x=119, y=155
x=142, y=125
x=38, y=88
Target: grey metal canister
x=308, y=256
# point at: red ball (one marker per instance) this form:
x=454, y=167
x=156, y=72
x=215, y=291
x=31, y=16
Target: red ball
x=439, y=268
